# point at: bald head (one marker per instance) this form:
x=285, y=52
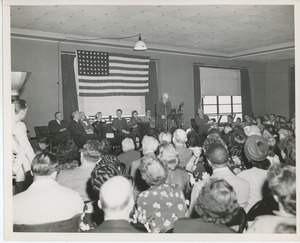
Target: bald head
x=179, y=137
x=116, y=195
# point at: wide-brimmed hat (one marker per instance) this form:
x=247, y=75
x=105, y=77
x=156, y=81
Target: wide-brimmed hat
x=256, y=148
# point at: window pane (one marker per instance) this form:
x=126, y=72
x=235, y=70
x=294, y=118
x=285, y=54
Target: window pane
x=210, y=100
x=210, y=109
x=225, y=109
x=237, y=108
x=224, y=100
x=224, y=118
x=237, y=99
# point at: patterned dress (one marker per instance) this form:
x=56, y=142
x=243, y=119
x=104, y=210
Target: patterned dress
x=160, y=206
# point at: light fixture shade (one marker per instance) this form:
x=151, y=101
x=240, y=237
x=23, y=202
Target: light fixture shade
x=140, y=45
x=18, y=79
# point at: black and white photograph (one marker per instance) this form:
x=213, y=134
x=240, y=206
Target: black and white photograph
x=150, y=120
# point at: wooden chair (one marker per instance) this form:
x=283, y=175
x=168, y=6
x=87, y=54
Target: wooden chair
x=69, y=225
x=43, y=132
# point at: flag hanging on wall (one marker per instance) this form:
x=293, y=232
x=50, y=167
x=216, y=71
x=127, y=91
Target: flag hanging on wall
x=108, y=74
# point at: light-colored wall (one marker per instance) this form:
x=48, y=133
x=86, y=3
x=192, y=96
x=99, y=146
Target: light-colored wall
x=175, y=77
x=277, y=87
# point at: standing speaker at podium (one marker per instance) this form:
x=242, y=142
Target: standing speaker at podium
x=163, y=109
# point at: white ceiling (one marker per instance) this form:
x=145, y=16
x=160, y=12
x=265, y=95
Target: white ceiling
x=263, y=33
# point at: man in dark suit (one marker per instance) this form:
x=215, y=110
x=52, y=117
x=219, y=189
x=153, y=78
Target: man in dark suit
x=163, y=109
x=77, y=130
x=116, y=200
x=58, y=129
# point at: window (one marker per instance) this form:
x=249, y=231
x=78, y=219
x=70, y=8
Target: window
x=219, y=107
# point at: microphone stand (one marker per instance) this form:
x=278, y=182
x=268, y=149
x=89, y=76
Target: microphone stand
x=166, y=119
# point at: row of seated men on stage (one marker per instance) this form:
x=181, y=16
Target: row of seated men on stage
x=80, y=129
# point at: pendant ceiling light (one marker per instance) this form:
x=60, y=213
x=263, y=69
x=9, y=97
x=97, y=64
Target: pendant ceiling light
x=140, y=45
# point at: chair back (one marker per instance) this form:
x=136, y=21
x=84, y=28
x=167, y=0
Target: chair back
x=240, y=221
x=264, y=207
x=41, y=131
x=69, y=225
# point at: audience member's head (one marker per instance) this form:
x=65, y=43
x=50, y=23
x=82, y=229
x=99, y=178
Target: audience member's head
x=270, y=140
x=168, y=155
x=20, y=109
x=75, y=115
x=179, y=137
x=149, y=144
x=256, y=150
x=67, y=151
x=58, y=116
x=252, y=130
x=282, y=182
x=119, y=113
x=44, y=164
x=148, y=112
x=104, y=146
x=266, y=118
x=229, y=119
x=90, y=153
x=134, y=114
x=153, y=171
x=284, y=133
x=217, y=202
x=102, y=172
x=283, y=228
x=214, y=138
x=259, y=120
x=288, y=150
x=43, y=143
x=127, y=145
x=214, y=130
x=116, y=198
x=165, y=137
x=98, y=116
x=81, y=115
x=217, y=155
x=193, y=140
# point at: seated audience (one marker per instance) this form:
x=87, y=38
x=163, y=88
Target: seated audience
x=284, y=133
x=68, y=155
x=129, y=154
x=256, y=150
x=77, y=130
x=288, y=151
x=201, y=120
x=252, y=130
x=216, y=206
x=98, y=125
x=43, y=145
x=106, y=156
x=259, y=123
x=89, y=129
x=175, y=175
x=179, y=140
x=282, y=182
x=78, y=179
x=45, y=201
x=116, y=200
x=217, y=157
x=162, y=204
x=133, y=123
x=120, y=126
x=249, y=120
x=58, y=129
x=149, y=118
x=272, y=144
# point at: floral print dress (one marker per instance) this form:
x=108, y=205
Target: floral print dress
x=160, y=206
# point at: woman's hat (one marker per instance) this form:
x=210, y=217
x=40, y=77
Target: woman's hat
x=256, y=148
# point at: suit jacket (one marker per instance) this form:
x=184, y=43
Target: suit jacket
x=120, y=124
x=54, y=130
x=115, y=226
x=77, y=132
x=240, y=186
x=162, y=109
x=188, y=225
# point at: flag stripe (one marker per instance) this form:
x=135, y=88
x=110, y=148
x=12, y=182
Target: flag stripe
x=110, y=78
x=100, y=91
x=111, y=87
x=86, y=81
x=114, y=84
x=118, y=59
x=129, y=69
x=129, y=72
x=110, y=94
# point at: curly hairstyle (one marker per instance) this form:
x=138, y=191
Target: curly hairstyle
x=153, y=171
x=214, y=138
x=104, y=146
x=102, y=172
x=282, y=182
x=217, y=202
x=91, y=150
x=288, y=146
x=168, y=155
x=67, y=151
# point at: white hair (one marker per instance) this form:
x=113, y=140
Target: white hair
x=149, y=144
x=127, y=145
x=179, y=137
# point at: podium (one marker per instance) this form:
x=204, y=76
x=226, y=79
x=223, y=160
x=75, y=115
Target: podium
x=177, y=118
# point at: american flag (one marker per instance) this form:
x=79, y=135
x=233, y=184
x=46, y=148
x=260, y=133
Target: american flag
x=109, y=74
